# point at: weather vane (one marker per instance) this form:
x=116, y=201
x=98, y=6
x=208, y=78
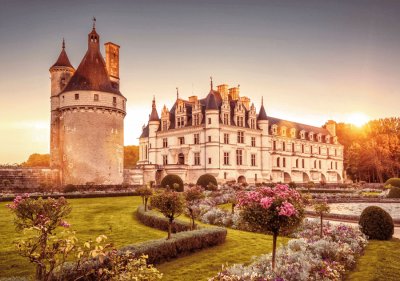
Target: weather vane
x=94, y=22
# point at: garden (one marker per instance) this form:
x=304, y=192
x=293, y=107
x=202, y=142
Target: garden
x=196, y=232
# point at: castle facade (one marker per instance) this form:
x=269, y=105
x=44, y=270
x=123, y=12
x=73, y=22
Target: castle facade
x=87, y=117
x=222, y=134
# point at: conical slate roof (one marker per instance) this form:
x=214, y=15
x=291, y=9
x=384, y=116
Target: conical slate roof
x=262, y=115
x=91, y=73
x=62, y=59
x=154, y=114
x=211, y=102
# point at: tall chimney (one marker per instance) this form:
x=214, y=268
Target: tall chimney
x=223, y=90
x=234, y=93
x=331, y=127
x=112, y=62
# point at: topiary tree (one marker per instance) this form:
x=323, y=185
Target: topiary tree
x=170, y=204
x=394, y=192
x=272, y=210
x=193, y=195
x=393, y=182
x=376, y=223
x=145, y=192
x=169, y=180
x=207, y=181
x=321, y=208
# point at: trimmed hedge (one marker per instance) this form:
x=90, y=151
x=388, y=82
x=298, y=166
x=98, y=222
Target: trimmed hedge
x=394, y=192
x=181, y=243
x=152, y=219
x=205, y=180
x=160, y=250
x=376, y=223
x=170, y=180
x=393, y=182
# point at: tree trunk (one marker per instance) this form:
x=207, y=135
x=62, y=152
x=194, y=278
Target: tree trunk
x=145, y=204
x=193, y=226
x=170, y=228
x=233, y=208
x=274, y=238
x=321, y=226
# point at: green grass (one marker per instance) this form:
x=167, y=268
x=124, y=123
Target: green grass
x=89, y=218
x=114, y=217
x=381, y=261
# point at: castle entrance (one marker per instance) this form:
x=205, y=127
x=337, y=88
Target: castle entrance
x=241, y=179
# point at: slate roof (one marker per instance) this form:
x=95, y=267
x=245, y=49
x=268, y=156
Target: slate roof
x=92, y=73
x=63, y=59
x=218, y=102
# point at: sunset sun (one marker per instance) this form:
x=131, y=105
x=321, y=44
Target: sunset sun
x=357, y=118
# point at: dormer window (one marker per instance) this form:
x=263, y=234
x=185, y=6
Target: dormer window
x=302, y=135
x=283, y=131
x=311, y=136
x=293, y=132
x=327, y=139
x=319, y=137
x=274, y=129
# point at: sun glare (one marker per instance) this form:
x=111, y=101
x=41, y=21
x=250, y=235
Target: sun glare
x=358, y=119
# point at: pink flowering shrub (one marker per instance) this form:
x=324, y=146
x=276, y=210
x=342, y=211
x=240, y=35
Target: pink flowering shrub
x=272, y=210
x=307, y=257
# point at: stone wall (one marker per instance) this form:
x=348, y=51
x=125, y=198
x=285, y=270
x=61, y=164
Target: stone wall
x=27, y=178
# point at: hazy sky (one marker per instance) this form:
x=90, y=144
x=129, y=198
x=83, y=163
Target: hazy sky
x=311, y=60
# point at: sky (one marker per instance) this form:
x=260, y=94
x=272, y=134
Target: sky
x=311, y=60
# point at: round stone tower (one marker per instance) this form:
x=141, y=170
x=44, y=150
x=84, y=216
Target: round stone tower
x=91, y=113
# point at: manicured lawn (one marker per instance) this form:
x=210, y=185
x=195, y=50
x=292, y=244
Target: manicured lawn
x=380, y=262
x=89, y=218
x=239, y=247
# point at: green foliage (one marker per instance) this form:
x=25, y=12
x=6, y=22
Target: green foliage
x=170, y=203
x=376, y=223
x=145, y=193
x=393, y=182
x=394, y=192
x=37, y=160
x=131, y=156
x=70, y=188
x=170, y=180
x=193, y=195
x=292, y=184
x=207, y=181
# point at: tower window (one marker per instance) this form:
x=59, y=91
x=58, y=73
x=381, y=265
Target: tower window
x=209, y=138
x=96, y=97
x=209, y=120
x=114, y=101
x=209, y=160
x=226, y=138
x=76, y=96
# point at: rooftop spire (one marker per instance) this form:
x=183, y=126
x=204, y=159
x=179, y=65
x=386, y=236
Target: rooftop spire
x=177, y=93
x=211, y=82
x=262, y=115
x=94, y=22
x=63, y=44
x=63, y=58
x=154, y=115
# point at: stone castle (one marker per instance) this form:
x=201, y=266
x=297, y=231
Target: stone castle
x=222, y=134
x=87, y=116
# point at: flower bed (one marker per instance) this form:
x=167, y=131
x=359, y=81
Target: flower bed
x=308, y=257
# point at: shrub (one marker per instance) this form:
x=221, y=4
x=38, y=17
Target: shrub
x=193, y=195
x=145, y=193
x=394, y=192
x=292, y=184
x=70, y=188
x=171, y=204
x=376, y=223
x=393, y=182
x=205, y=181
x=170, y=180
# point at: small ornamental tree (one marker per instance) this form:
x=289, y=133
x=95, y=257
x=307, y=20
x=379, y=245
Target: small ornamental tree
x=321, y=208
x=171, y=204
x=193, y=195
x=42, y=217
x=272, y=210
x=145, y=192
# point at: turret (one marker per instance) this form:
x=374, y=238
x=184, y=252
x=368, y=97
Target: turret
x=262, y=123
x=154, y=124
x=60, y=74
x=262, y=119
x=212, y=130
